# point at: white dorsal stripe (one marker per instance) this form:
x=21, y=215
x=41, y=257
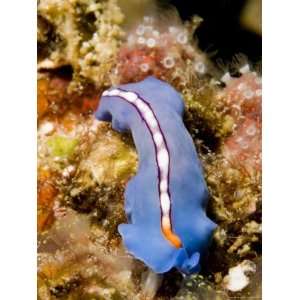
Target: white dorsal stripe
x=114, y=93
x=165, y=203
x=158, y=139
x=166, y=221
x=143, y=108
x=163, y=158
x=163, y=185
x=131, y=96
x=162, y=153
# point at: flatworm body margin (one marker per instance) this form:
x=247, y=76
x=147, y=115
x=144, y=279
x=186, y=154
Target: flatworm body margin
x=165, y=201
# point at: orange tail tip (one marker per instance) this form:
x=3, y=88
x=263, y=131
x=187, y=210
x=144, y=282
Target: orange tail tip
x=171, y=237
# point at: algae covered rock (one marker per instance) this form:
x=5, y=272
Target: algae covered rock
x=112, y=158
x=195, y=287
x=62, y=146
x=84, y=34
x=74, y=263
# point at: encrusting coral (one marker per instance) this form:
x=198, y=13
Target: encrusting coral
x=84, y=34
x=166, y=52
x=83, y=166
x=234, y=172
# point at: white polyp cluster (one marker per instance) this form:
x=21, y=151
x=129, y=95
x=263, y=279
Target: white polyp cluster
x=200, y=67
x=140, y=30
x=243, y=143
x=251, y=131
x=145, y=34
x=182, y=38
x=144, y=67
x=162, y=154
x=151, y=43
x=168, y=62
x=173, y=29
x=248, y=94
x=141, y=40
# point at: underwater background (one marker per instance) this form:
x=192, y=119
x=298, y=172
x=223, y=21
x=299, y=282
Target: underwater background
x=210, y=52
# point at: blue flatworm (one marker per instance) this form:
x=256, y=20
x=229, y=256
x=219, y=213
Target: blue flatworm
x=165, y=202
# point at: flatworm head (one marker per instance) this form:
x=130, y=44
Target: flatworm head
x=165, y=201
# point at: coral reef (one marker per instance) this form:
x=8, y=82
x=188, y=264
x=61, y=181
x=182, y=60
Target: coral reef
x=73, y=264
x=84, y=166
x=234, y=172
x=84, y=34
x=166, y=52
x=55, y=99
x=69, y=161
x=197, y=288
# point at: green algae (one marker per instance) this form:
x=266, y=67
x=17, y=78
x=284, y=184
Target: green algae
x=62, y=146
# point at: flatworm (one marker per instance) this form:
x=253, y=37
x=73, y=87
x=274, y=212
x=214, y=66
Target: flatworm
x=166, y=200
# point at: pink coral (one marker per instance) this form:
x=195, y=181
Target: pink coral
x=166, y=53
x=243, y=97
